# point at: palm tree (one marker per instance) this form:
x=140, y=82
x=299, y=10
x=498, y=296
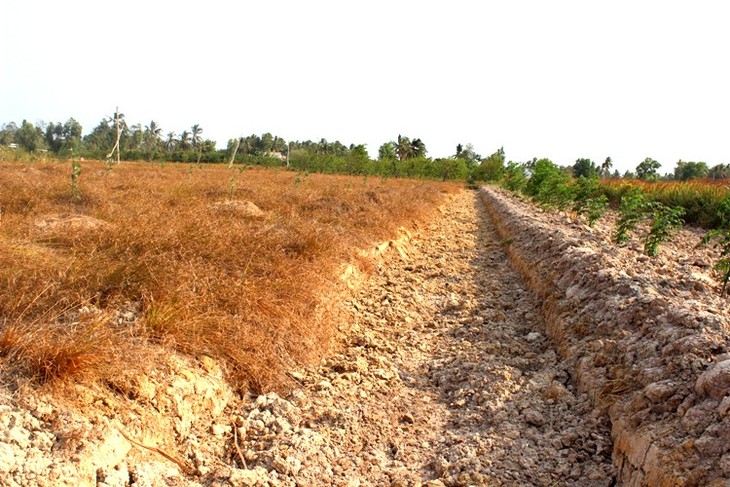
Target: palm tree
x=720, y=171
x=185, y=140
x=171, y=141
x=418, y=148
x=137, y=136
x=403, y=148
x=606, y=167
x=197, y=139
x=153, y=135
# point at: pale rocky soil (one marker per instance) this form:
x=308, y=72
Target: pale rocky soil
x=446, y=378
x=648, y=338
x=446, y=374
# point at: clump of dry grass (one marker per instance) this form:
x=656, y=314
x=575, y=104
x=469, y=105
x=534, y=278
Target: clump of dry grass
x=244, y=288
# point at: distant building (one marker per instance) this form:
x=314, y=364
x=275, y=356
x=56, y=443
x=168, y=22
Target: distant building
x=276, y=155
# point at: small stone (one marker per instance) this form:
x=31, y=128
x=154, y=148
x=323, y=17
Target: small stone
x=533, y=417
x=724, y=407
x=220, y=429
x=596, y=474
x=294, y=464
x=209, y=364
x=19, y=436
x=659, y=391
x=281, y=425
x=725, y=464
x=246, y=478
x=296, y=375
x=407, y=418
x=383, y=374
x=7, y=458
x=709, y=446
x=715, y=381
x=533, y=336
x=280, y=465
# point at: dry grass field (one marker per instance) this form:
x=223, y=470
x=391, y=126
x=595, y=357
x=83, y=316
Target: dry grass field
x=147, y=257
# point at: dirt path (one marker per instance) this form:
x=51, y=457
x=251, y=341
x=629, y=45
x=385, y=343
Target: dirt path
x=445, y=379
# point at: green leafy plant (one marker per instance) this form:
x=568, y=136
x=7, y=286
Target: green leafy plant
x=549, y=185
x=721, y=239
x=594, y=208
x=665, y=221
x=589, y=200
x=515, y=177
x=630, y=212
x=556, y=192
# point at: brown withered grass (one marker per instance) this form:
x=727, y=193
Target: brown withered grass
x=145, y=258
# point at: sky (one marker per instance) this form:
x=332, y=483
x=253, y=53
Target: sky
x=558, y=79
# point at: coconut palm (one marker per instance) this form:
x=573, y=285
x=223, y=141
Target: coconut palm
x=606, y=167
x=137, y=136
x=403, y=148
x=171, y=142
x=153, y=135
x=197, y=139
x=418, y=148
x=720, y=171
x=185, y=140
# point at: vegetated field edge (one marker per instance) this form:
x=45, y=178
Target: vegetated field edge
x=101, y=267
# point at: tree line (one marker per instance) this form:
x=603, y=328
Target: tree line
x=648, y=170
x=136, y=142
x=401, y=157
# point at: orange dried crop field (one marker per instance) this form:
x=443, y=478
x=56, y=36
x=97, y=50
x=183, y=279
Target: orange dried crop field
x=205, y=260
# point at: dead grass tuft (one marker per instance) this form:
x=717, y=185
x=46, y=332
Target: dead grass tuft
x=221, y=283
x=53, y=352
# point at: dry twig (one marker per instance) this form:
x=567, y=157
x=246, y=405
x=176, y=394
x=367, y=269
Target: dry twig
x=183, y=466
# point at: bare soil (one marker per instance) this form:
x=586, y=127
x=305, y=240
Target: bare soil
x=446, y=377
x=446, y=373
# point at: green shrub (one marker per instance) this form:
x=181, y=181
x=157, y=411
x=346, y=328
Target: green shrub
x=515, y=177
x=665, y=221
x=630, y=212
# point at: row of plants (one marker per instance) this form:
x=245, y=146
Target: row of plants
x=653, y=212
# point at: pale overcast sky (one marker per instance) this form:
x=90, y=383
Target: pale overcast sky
x=557, y=79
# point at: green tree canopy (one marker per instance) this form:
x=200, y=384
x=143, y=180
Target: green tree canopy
x=684, y=171
x=492, y=167
x=647, y=169
x=586, y=168
x=30, y=137
x=468, y=154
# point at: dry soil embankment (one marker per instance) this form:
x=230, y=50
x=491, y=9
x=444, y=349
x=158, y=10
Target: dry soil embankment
x=648, y=340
